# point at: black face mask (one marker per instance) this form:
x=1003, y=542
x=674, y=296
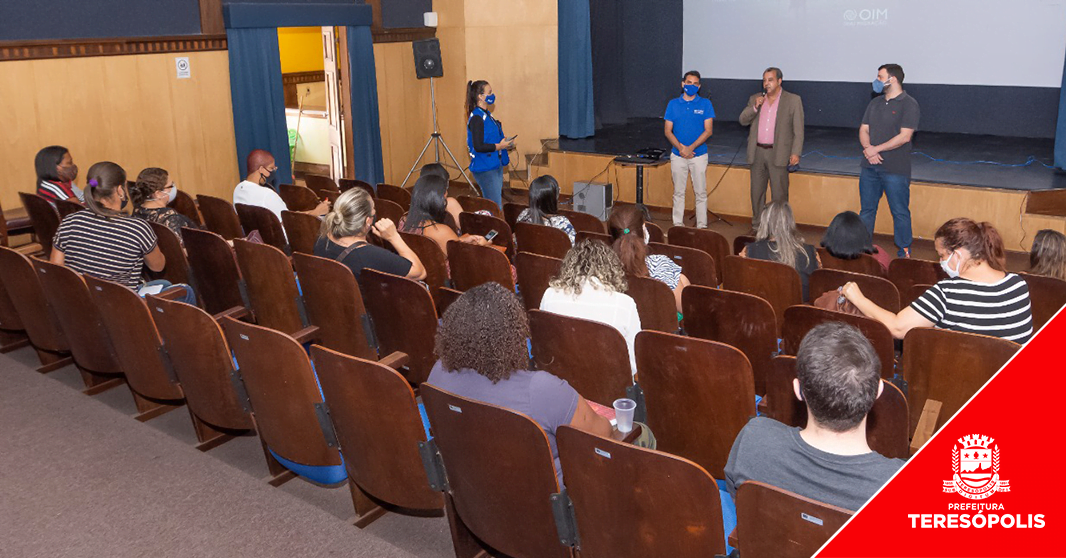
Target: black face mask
x=68, y=174
x=125, y=200
x=270, y=179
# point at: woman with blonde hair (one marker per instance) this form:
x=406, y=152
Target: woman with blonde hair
x=343, y=238
x=592, y=285
x=1048, y=256
x=777, y=240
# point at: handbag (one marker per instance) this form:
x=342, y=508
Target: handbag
x=835, y=301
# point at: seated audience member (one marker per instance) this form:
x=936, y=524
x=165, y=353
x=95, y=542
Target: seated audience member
x=847, y=238
x=544, y=206
x=437, y=169
x=481, y=344
x=980, y=296
x=343, y=238
x=777, y=240
x=259, y=188
x=56, y=172
x=839, y=377
x=630, y=237
x=592, y=285
x=131, y=244
x=1048, y=256
x=429, y=205
x=150, y=196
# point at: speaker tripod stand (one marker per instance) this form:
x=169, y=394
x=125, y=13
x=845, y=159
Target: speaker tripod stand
x=437, y=141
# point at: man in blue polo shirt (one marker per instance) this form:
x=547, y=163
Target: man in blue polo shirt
x=689, y=120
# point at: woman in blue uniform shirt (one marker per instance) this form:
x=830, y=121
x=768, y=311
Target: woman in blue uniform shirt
x=485, y=139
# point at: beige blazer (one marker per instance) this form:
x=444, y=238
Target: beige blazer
x=788, y=133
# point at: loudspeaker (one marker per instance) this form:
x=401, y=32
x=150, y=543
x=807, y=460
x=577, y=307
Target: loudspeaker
x=427, y=59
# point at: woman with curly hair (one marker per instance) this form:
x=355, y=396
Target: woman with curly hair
x=630, y=237
x=481, y=344
x=150, y=195
x=592, y=285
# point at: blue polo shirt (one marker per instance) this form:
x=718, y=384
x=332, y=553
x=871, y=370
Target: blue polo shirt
x=688, y=118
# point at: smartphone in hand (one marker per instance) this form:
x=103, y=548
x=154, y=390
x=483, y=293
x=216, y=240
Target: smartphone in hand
x=491, y=235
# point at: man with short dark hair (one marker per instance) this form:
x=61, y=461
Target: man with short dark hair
x=885, y=135
x=689, y=123
x=839, y=377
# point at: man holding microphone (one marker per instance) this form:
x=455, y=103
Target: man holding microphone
x=775, y=140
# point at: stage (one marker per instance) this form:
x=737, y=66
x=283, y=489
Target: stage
x=948, y=180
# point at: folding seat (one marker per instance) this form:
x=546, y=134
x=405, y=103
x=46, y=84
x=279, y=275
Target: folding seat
x=220, y=217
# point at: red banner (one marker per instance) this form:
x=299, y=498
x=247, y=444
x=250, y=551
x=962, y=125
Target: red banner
x=979, y=487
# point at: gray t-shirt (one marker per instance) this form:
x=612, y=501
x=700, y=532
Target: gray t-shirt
x=548, y=400
x=886, y=118
x=773, y=453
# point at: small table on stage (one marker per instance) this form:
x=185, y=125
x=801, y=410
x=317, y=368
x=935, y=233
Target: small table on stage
x=639, y=163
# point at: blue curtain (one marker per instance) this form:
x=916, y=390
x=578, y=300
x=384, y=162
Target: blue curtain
x=258, y=99
x=576, y=116
x=366, y=130
x=1060, y=130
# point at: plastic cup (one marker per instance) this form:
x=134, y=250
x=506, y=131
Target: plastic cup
x=623, y=414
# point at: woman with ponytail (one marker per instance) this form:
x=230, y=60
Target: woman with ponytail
x=980, y=295
x=485, y=139
x=343, y=238
x=630, y=238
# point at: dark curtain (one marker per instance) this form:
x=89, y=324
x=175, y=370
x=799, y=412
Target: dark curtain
x=366, y=130
x=576, y=116
x=1060, y=130
x=258, y=99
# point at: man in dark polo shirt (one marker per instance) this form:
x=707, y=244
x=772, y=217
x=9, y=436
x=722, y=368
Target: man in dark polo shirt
x=885, y=135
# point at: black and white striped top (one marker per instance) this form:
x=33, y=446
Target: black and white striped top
x=1001, y=309
x=109, y=248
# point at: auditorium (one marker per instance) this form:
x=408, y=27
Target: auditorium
x=522, y=278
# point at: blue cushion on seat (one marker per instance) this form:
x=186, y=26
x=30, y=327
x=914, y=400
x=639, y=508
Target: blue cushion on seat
x=328, y=474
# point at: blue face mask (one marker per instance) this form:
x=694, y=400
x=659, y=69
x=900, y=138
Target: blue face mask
x=879, y=86
x=491, y=99
x=690, y=89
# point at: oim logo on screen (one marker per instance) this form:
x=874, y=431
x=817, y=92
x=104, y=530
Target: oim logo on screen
x=976, y=468
x=865, y=16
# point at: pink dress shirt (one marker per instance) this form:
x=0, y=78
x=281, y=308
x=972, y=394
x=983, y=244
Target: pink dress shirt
x=768, y=121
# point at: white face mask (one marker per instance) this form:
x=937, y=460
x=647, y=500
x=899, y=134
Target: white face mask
x=953, y=273
x=173, y=194
x=647, y=236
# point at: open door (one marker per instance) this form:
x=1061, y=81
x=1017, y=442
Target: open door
x=333, y=103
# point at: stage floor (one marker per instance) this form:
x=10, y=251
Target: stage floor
x=940, y=158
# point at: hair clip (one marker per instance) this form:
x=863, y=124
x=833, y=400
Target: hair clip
x=93, y=182
x=625, y=231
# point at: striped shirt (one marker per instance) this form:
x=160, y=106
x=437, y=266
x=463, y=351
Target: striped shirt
x=1001, y=309
x=109, y=248
x=662, y=268
x=53, y=191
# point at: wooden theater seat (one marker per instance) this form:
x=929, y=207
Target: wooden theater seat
x=323, y=186
x=535, y=272
x=697, y=265
x=775, y=523
x=476, y=203
x=799, y=320
x=865, y=264
x=214, y=270
x=702, y=239
x=35, y=315
x=405, y=320
x=446, y=297
x=273, y=297
x=907, y=272
x=43, y=217
x=472, y=265
x=298, y=198
x=583, y=221
x=184, y=204
x=396, y=195
x=740, y=242
x=656, y=303
x=177, y=264
x=478, y=224
x=655, y=232
x=511, y=211
x=542, y=240
x=334, y=304
x=255, y=218
x=774, y=282
x=388, y=209
x=67, y=207
x=301, y=229
x=879, y=290
x=1047, y=296
x=432, y=258
x=12, y=331
x=346, y=184
x=220, y=217
x=591, y=356
x=586, y=235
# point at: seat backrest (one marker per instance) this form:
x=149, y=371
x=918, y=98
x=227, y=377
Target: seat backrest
x=334, y=304
x=177, y=265
x=3, y=227
x=298, y=198
x=949, y=367
x=592, y=356
x=655, y=232
x=799, y=320
x=740, y=242
x=444, y=297
x=81, y=321
x=1047, y=296
x=702, y=239
x=273, y=296
x=405, y=320
x=542, y=239
x=881, y=291
x=511, y=211
x=255, y=218
x=477, y=203
x=214, y=269
x=301, y=230
x=458, y=188
x=184, y=204
x=323, y=186
x=583, y=221
x=699, y=395
x=35, y=313
x=500, y=473
x=775, y=523
x=44, y=217
x=378, y=426
x=202, y=361
x=741, y=320
x=66, y=207
x=697, y=265
x=535, y=272
x=138, y=348
x=887, y=430
x=432, y=258
x=600, y=476
x=774, y=282
x=865, y=264
x=656, y=304
x=396, y=195
x=10, y=321
x=388, y=209
x=476, y=223
x=282, y=390
x=602, y=237
x=346, y=184
x=906, y=298
x=220, y=217
x=472, y=265
x=907, y=272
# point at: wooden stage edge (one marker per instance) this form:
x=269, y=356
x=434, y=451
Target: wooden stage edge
x=815, y=198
